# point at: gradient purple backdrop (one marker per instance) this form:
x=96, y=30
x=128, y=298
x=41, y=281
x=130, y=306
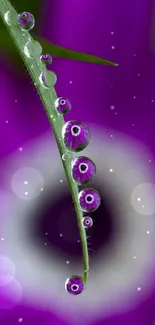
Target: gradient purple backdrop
x=119, y=98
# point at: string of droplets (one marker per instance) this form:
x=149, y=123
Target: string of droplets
x=76, y=137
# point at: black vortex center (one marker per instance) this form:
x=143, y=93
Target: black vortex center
x=52, y=225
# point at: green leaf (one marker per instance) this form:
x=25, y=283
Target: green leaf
x=34, y=6
x=55, y=50
x=61, y=52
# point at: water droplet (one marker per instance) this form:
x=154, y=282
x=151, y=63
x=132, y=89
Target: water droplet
x=75, y=285
x=46, y=59
x=67, y=156
x=47, y=79
x=32, y=49
x=26, y=21
x=83, y=170
x=76, y=135
x=62, y=105
x=87, y=222
x=10, y=18
x=89, y=200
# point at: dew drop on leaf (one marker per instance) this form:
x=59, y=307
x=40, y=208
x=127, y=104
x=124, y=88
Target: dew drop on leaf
x=32, y=49
x=47, y=79
x=10, y=18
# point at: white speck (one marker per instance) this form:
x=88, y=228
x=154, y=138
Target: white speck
x=26, y=193
x=135, y=54
x=61, y=180
x=134, y=257
x=134, y=97
x=6, y=122
x=46, y=233
x=138, y=199
x=45, y=244
x=139, y=288
x=70, y=82
x=138, y=74
x=2, y=238
x=54, y=119
x=112, y=107
x=20, y=320
x=78, y=241
x=112, y=33
x=42, y=189
x=133, y=125
x=67, y=262
x=116, y=113
x=20, y=149
x=111, y=135
x=110, y=170
x=113, y=47
x=148, y=232
x=152, y=101
x=35, y=84
x=51, y=116
x=60, y=235
x=149, y=160
x=25, y=182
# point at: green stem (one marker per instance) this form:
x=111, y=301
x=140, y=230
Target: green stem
x=48, y=97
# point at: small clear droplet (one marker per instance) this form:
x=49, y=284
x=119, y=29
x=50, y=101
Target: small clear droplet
x=10, y=18
x=47, y=79
x=32, y=49
x=66, y=156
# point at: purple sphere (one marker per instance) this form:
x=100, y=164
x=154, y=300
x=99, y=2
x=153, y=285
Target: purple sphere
x=89, y=200
x=76, y=135
x=63, y=105
x=46, y=58
x=87, y=222
x=83, y=170
x=26, y=21
x=75, y=285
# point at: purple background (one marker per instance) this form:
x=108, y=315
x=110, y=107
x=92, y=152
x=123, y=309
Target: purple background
x=121, y=31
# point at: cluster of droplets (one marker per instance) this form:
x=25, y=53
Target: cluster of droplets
x=33, y=50
x=76, y=137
